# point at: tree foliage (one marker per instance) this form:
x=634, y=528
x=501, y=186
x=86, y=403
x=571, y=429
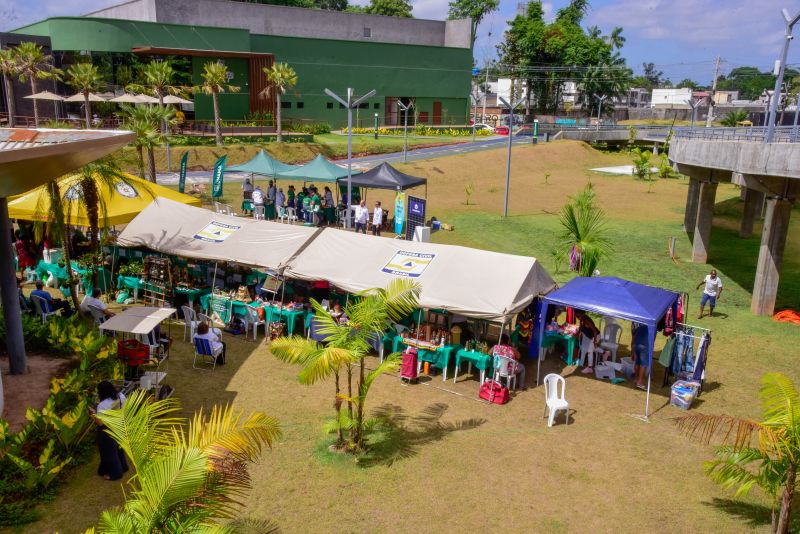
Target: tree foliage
x=472, y=9
x=331, y=5
x=389, y=8
x=280, y=78
x=34, y=65
x=587, y=57
x=215, y=81
x=585, y=237
x=734, y=117
x=86, y=79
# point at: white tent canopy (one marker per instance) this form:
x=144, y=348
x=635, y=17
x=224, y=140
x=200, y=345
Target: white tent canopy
x=174, y=228
x=466, y=281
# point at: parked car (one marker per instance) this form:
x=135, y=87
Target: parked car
x=501, y=130
x=482, y=126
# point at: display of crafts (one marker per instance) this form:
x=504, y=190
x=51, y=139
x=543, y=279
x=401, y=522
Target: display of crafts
x=476, y=346
x=426, y=337
x=567, y=329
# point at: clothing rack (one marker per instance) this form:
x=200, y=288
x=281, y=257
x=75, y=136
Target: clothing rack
x=694, y=326
x=706, y=331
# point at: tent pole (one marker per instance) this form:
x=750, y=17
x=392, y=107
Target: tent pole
x=283, y=289
x=211, y=300
x=541, y=336
x=647, y=399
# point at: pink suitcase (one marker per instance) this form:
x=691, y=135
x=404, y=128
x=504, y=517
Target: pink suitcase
x=408, y=369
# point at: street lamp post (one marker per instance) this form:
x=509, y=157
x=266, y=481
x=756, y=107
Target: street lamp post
x=474, y=115
x=510, y=136
x=601, y=98
x=376, y=126
x=694, y=105
x=405, y=108
x=773, y=106
x=351, y=103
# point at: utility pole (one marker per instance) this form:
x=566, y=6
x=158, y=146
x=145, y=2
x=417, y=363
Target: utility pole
x=404, y=108
x=485, y=91
x=711, y=103
x=773, y=106
x=510, y=136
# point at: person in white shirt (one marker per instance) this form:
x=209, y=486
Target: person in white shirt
x=258, y=196
x=247, y=187
x=94, y=300
x=377, y=219
x=112, y=458
x=361, y=215
x=212, y=336
x=280, y=198
x=711, y=293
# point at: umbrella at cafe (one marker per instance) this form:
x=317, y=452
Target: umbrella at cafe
x=147, y=99
x=126, y=98
x=79, y=97
x=45, y=95
x=172, y=99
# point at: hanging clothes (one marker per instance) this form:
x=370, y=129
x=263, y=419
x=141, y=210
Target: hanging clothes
x=679, y=314
x=570, y=315
x=688, y=351
x=679, y=352
x=699, y=370
x=667, y=353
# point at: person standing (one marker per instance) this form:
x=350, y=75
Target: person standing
x=316, y=208
x=711, y=293
x=307, y=215
x=280, y=199
x=639, y=342
x=23, y=253
x=290, y=196
x=112, y=458
x=377, y=219
x=258, y=198
x=360, y=215
x=271, y=193
x=299, y=204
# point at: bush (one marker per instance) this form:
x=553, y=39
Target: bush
x=426, y=131
x=33, y=460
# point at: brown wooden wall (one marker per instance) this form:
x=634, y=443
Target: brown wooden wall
x=258, y=82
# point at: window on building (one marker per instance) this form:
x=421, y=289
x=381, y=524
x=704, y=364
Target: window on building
x=286, y=105
x=367, y=32
x=363, y=105
x=300, y=105
x=329, y=105
x=341, y=106
x=376, y=105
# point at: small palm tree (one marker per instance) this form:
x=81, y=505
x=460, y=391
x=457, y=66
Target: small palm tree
x=145, y=122
x=733, y=118
x=9, y=70
x=280, y=78
x=584, y=239
x=86, y=79
x=34, y=65
x=347, y=344
x=188, y=475
x=762, y=453
x=215, y=78
x=158, y=77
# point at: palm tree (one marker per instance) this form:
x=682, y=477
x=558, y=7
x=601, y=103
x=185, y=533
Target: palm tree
x=158, y=77
x=9, y=69
x=615, y=38
x=733, y=118
x=346, y=344
x=145, y=122
x=34, y=65
x=57, y=229
x=280, y=78
x=215, y=78
x=188, y=475
x=757, y=453
x=593, y=32
x=86, y=79
x=584, y=239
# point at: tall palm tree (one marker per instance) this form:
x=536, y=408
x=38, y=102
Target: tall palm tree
x=762, y=453
x=280, y=78
x=215, y=78
x=34, y=65
x=10, y=70
x=158, y=77
x=585, y=236
x=58, y=229
x=616, y=39
x=188, y=475
x=86, y=79
x=345, y=344
x=593, y=32
x=145, y=122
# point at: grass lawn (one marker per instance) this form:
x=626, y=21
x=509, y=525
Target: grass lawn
x=455, y=464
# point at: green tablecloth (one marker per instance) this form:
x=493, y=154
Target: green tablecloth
x=255, y=277
x=329, y=214
x=439, y=358
x=247, y=205
x=479, y=359
x=130, y=282
x=191, y=294
x=291, y=316
x=272, y=313
x=551, y=338
x=58, y=271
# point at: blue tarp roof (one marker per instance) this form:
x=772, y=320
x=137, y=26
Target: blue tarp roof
x=263, y=164
x=615, y=297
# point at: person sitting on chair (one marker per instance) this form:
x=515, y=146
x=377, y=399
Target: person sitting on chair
x=50, y=303
x=93, y=299
x=212, y=336
x=504, y=348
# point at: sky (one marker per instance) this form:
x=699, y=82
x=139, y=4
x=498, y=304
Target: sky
x=682, y=37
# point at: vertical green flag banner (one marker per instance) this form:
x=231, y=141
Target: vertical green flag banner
x=216, y=178
x=399, y=212
x=182, y=179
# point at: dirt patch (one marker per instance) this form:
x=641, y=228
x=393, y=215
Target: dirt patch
x=29, y=390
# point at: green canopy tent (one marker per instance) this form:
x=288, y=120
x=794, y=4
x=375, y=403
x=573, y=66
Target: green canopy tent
x=262, y=164
x=318, y=169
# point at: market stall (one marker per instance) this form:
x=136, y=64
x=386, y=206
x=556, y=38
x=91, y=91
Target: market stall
x=613, y=297
x=384, y=176
x=264, y=165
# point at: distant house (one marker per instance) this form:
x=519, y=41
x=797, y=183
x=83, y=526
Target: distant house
x=726, y=97
x=671, y=98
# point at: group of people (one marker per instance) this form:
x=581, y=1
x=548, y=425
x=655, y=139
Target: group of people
x=308, y=203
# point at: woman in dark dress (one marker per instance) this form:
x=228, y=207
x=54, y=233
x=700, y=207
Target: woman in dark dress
x=112, y=458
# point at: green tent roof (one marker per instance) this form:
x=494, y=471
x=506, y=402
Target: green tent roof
x=263, y=164
x=319, y=169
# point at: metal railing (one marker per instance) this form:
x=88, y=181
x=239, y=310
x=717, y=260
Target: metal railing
x=783, y=134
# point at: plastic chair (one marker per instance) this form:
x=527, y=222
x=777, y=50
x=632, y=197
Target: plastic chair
x=554, y=399
x=610, y=339
x=97, y=314
x=258, y=212
x=190, y=321
x=40, y=306
x=203, y=350
x=507, y=368
x=252, y=319
x=588, y=350
x=291, y=213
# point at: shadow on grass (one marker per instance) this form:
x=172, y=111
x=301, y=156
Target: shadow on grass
x=398, y=436
x=752, y=514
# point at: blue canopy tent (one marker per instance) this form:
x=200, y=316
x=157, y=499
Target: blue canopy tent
x=613, y=297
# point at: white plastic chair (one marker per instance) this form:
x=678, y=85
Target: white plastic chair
x=40, y=306
x=607, y=321
x=505, y=367
x=190, y=321
x=253, y=320
x=97, y=314
x=588, y=351
x=291, y=214
x=554, y=398
x=610, y=339
x=258, y=212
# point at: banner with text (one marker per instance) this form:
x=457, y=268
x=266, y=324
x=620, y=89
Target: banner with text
x=182, y=178
x=216, y=183
x=399, y=212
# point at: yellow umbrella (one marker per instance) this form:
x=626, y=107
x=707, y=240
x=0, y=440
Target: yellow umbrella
x=122, y=202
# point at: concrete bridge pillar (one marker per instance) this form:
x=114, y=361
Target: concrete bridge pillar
x=753, y=202
x=770, y=256
x=692, y=195
x=702, y=227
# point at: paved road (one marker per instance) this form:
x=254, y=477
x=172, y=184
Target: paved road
x=367, y=162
